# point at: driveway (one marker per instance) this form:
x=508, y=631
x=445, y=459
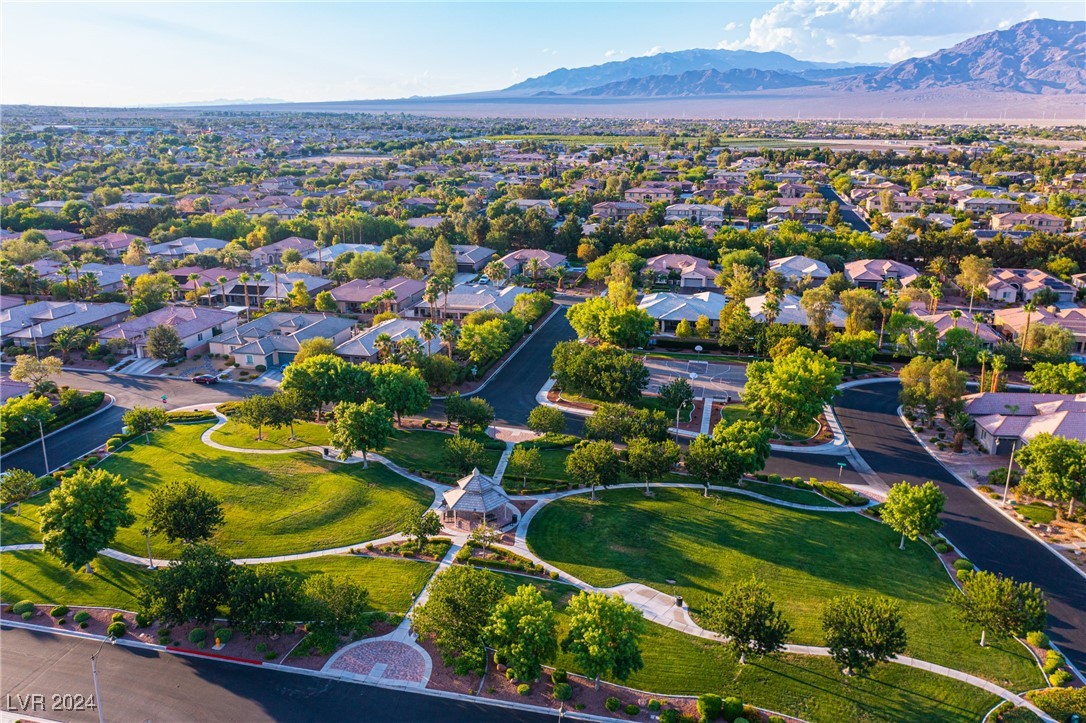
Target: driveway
x=868, y=415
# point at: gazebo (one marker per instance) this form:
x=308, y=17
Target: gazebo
x=477, y=499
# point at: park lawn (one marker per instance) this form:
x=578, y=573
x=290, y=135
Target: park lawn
x=34, y=575
x=735, y=412
x=392, y=583
x=236, y=434
x=805, y=558
x=1037, y=513
x=804, y=686
x=424, y=450
x=789, y=494
x=25, y=527
x=274, y=504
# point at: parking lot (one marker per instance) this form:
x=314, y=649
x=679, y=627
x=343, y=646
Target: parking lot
x=708, y=379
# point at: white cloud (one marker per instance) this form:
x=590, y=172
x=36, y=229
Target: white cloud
x=654, y=50
x=872, y=30
x=731, y=26
x=613, y=53
x=550, y=51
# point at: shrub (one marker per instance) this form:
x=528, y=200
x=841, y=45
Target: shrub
x=1037, y=639
x=563, y=691
x=962, y=564
x=59, y=611
x=741, y=719
x=82, y=625
x=776, y=719
x=669, y=715
x=117, y=618
x=654, y=705
x=524, y=689
x=143, y=619
x=751, y=713
x=612, y=703
x=559, y=676
x=774, y=479
x=1059, y=679
x=510, y=674
x=731, y=708
x=1060, y=703
x=260, y=368
x=270, y=655
x=81, y=617
x=709, y=706
x=261, y=647
x=631, y=709
x=963, y=574
x=1053, y=662
x=197, y=635
x=942, y=548
x=554, y=574
x=23, y=606
x=117, y=629
x=28, y=614
x=223, y=635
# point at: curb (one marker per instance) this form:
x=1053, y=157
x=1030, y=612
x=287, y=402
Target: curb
x=109, y=405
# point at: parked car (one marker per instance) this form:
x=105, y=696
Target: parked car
x=205, y=379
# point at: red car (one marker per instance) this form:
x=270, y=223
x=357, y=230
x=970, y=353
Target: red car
x=206, y=379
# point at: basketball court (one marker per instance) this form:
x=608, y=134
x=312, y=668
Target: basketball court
x=708, y=379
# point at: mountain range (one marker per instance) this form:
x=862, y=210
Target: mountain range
x=1033, y=57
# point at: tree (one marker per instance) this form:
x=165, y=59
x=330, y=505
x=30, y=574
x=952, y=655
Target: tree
x=401, y=389
x=648, y=460
x=791, y=389
x=184, y=511
x=191, y=588
x=17, y=485
x=999, y=605
x=597, y=318
x=862, y=632
x=449, y=332
x=285, y=408
x=421, y=528
x=817, y=303
x=255, y=411
x=325, y=302
x=931, y=386
x=456, y=614
x=37, y=373
x=497, y=272
x=1049, y=342
x=618, y=422
x=359, y=427
x=326, y=379
x=546, y=420
x=463, y=454
x=1046, y=378
x=604, y=635
x=862, y=306
x=164, y=343
x=973, y=275
x=684, y=329
x=606, y=372
x=334, y=601
x=442, y=259
x=316, y=346
x=144, y=420
x=593, y=463
x=428, y=332
x=677, y=393
x=83, y=516
x=1029, y=307
x=748, y=618
x=1055, y=469
x=856, y=347
x=525, y=462
x=523, y=632
x=263, y=599
x=913, y=510
x=67, y=339
x=737, y=326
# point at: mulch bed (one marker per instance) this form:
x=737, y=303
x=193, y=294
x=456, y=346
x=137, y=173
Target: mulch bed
x=100, y=619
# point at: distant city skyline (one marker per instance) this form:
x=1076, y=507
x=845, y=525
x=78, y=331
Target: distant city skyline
x=125, y=54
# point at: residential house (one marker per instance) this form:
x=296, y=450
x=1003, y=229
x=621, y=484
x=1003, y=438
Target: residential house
x=1044, y=222
x=469, y=258
x=353, y=296
x=1006, y=420
x=944, y=322
x=542, y=204
x=682, y=270
x=274, y=339
x=871, y=273
x=784, y=177
x=363, y=346
x=790, y=311
x=34, y=324
x=324, y=257
x=272, y=254
x=1012, y=322
x=667, y=309
x=517, y=261
x=272, y=286
x=113, y=244
x=703, y=214
x=195, y=325
x=185, y=246
x=618, y=210
x=800, y=212
x=1021, y=285
x=467, y=298
x=651, y=194
x=109, y=276
x=796, y=268
x=987, y=205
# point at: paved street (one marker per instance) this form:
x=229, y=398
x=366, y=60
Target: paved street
x=129, y=392
x=140, y=685
x=847, y=214
x=868, y=415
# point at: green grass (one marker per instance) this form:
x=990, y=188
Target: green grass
x=307, y=434
x=273, y=504
x=735, y=412
x=34, y=575
x=804, y=557
x=1037, y=513
x=804, y=686
x=424, y=450
x=790, y=494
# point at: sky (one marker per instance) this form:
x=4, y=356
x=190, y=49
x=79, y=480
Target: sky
x=145, y=52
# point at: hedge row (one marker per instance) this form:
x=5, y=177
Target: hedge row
x=203, y=415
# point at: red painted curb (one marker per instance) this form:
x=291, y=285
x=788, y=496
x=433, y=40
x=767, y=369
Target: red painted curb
x=172, y=649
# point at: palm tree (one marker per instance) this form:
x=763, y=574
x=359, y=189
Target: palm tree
x=939, y=266
x=999, y=364
x=983, y=357
x=205, y=290
x=430, y=294
x=68, y=338
x=129, y=284
x=385, y=299
x=67, y=271
x=446, y=286
x=449, y=333
x=497, y=272
x=383, y=345
x=409, y=348
x=533, y=267
x=275, y=270
x=257, y=278
x=244, y=279
x=771, y=308
x=222, y=288
x=977, y=319
x=1029, y=308
x=88, y=286
x=427, y=332
x=194, y=278
x=956, y=315
x=936, y=294
x=960, y=423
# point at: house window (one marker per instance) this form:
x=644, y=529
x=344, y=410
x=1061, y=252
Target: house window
x=200, y=336
x=249, y=359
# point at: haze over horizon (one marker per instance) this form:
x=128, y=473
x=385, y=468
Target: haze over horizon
x=118, y=54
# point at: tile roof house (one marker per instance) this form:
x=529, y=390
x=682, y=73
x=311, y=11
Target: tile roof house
x=327, y=255
x=668, y=308
x=469, y=258
x=273, y=287
x=467, y=298
x=195, y=325
x=274, y=339
x=944, y=322
x=1014, y=285
x=362, y=347
x=792, y=312
x=870, y=273
x=683, y=270
x=272, y=254
x=796, y=268
x=34, y=324
x=516, y=261
x=113, y=244
x=617, y=210
x=185, y=246
x=1045, y=222
x=352, y=296
x=1008, y=419
x=108, y=276
x=1012, y=322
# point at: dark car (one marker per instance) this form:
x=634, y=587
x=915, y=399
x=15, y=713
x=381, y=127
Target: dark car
x=206, y=379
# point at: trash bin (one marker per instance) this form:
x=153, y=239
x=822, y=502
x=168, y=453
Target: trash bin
x=679, y=600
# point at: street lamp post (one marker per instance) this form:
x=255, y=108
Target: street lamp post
x=41, y=431
x=680, y=408
x=1010, y=466
x=94, y=674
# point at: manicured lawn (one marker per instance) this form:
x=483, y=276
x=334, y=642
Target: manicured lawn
x=34, y=575
x=790, y=494
x=1037, y=513
x=274, y=504
x=307, y=434
x=804, y=557
x=804, y=686
x=424, y=450
x=735, y=412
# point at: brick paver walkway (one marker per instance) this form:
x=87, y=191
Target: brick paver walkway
x=384, y=660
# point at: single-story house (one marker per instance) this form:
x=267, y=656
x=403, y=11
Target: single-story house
x=871, y=273
x=362, y=347
x=944, y=322
x=274, y=339
x=272, y=254
x=618, y=210
x=683, y=270
x=791, y=311
x=517, y=261
x=1005, y=420
x=667, y=309
x=467, y=298
x=108, y=276
x=1012, y=322
x=796, y=268
x=113, y=244
x=195, y=325
x=185, y=246
x=273, y=286
x=469, y=258
x=34, y=324
x=352, y=296
x=327, y=255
